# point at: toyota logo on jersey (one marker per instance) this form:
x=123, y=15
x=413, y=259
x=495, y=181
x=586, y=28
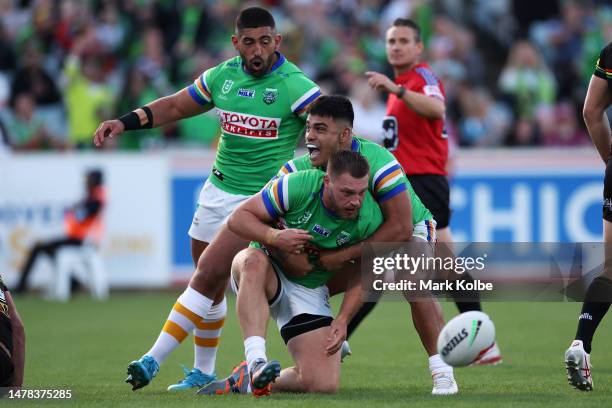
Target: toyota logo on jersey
x=245, y=125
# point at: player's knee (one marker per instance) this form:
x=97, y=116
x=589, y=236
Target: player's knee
x=251, y=263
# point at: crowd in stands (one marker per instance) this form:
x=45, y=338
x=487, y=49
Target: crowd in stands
x=515, y=71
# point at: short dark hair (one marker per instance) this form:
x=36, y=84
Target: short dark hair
x=333, y=106
x=255, y=17
x=348, y=161
x=95, y=177
x=406, y=22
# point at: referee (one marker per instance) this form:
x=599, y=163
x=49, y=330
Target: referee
x=414, y=131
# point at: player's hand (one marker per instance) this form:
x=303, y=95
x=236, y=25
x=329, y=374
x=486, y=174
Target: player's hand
x=331, y=260
x=290, y=240
x=108, y=128
x=337, y=335
x=381, y=82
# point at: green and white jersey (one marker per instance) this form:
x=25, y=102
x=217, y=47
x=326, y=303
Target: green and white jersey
x=387, y=178
x=262, y=119
x=296, y=200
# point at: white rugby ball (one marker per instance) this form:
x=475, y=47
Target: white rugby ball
x=465, y=338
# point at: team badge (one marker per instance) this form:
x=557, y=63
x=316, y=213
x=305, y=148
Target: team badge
x=227, y=86
x=270, y=95
x=342, y=238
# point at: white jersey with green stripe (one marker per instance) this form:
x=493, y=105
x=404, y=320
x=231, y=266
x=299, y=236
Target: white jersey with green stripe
x=296, y=200
x=387, y=178
x=262, y=120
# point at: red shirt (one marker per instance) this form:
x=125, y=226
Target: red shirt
x=419, y=144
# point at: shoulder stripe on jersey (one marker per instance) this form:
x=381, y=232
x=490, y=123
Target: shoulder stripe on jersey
x=268, y=204
x=391, y=193
x=305, y=99
x=196, y=96
x=201, y=87
x=288, y=167
x=429, y=76
x=388, y=180
x=284, y=193
x=391, y=167
x=355, y=145
x=280, y=193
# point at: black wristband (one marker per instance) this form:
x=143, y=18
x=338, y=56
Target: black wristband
x=141, y=118
x=401, y=92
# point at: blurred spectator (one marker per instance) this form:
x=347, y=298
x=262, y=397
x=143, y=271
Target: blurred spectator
x=89, y=99
x=559, y=126
x=8, y=59
x=527, y=81
x=484, y=122
x=33, y=79
x=97, y=45
x=24, y=128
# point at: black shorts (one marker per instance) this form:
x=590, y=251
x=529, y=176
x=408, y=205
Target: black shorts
x=434, y=192
x=607, y=193
x=6, y=370
x=303, y=323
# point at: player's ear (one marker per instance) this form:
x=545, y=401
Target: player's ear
x=278, y=39
x=346, y=134
x=326, y=180
x=235, y=42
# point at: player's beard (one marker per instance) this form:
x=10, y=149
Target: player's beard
x=264, y=67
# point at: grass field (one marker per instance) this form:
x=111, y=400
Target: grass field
x=85, y=346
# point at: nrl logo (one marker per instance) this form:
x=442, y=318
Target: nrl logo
x=342, y=238
x=270, y=95
x=304, y=218
x=227, y=85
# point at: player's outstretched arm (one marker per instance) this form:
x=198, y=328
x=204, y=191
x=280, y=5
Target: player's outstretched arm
x=597, y=101
x=18, y=352
x=160, y=112
x=250, y=221
x=397, y=227
x=350, y=305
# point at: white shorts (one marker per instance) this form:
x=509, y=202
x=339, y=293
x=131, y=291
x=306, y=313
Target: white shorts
x=213, y=208
x=292, y=299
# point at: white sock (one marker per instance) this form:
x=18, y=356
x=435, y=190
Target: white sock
x=206, y=338
x=188, y=310
x=437, y=366
x=254, y=349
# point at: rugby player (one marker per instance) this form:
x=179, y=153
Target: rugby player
x=328, y=130
x=599, y=294
x=338, y=207
x=261, y=99
x=12, y=343
x=414, y=132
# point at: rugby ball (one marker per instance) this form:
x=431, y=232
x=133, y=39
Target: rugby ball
x=465, y=338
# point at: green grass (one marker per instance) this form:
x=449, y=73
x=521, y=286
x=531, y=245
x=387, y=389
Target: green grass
x=85, y=346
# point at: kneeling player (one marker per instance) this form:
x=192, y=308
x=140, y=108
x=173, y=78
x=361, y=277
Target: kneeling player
x=326, y=206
